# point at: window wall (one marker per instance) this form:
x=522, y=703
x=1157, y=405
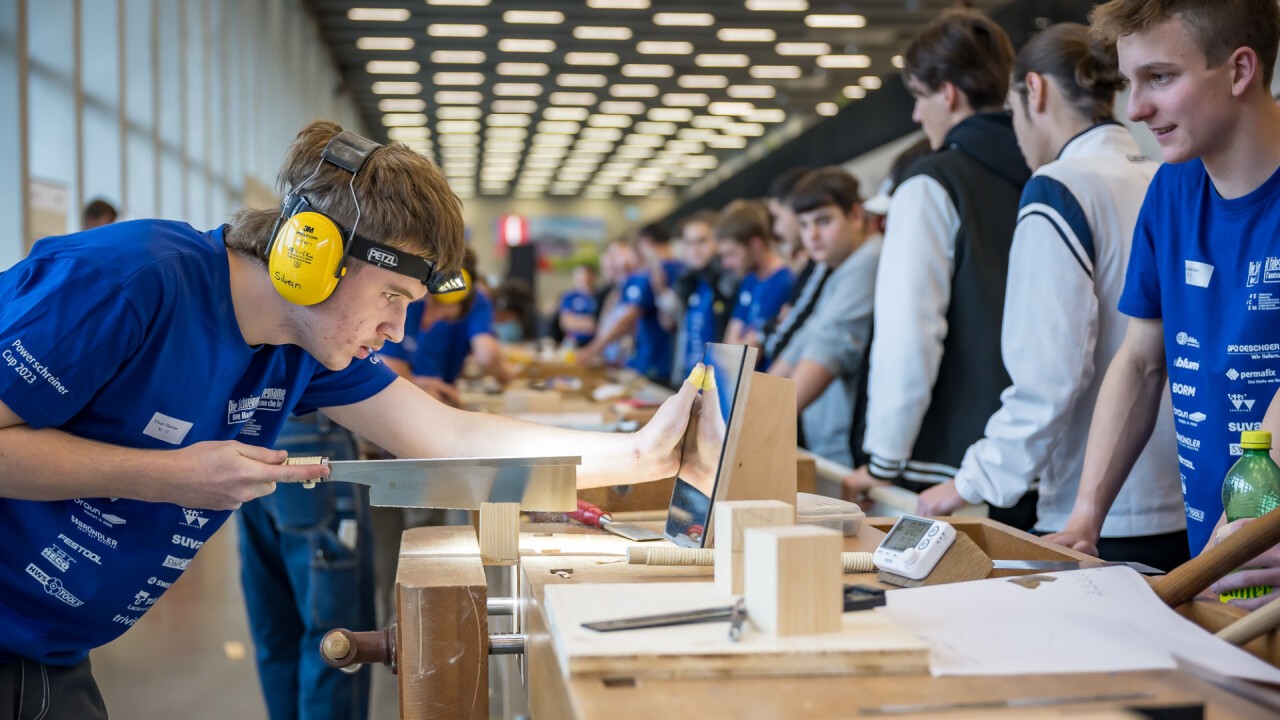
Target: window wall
x=177, y=109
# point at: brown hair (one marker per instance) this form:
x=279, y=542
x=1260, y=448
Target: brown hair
x=742, y=220
x=968, y=50
x=1219, y=27
x=705, y=216
x=405, y=201
x=1085, y=71
x=830, y=185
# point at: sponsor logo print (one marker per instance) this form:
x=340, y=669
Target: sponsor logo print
x=93, y=532
x=1235, y=449
x=1232, y=375
x=1189, y=443
x=176, y=563
x=103, y=517
x=1186, y=463
x=1185, y=339
x=1252, y=348
x=57, y=558
x=1237, y=427
x=1240, y=402
x=53, y=586
x=142, y=601
x=125, y=620
x=1186, y=364
x=1263, y=376
x=158, y=582
x=85, y=552
x=185, y=541
x=1271, y=273
x=1188, y=418
x=193, y=518
x=1195, y=514
x=1183, y=389
x=1255, y=269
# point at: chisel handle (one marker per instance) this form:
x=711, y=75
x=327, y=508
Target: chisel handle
x=1197, y=574
x=589, y=514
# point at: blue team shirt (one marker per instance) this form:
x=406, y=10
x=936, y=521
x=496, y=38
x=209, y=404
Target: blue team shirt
x=441, y=350
x=652, y=356
x=699, y=324
x=1210, y=268
x=760, y=300
x=578, y=303
x=126, y=335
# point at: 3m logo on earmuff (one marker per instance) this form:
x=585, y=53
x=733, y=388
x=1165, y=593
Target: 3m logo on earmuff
x=382, y=258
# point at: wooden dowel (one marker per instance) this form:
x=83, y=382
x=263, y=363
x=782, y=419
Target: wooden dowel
x=1255, y=624
x=1194, y=576
x=852, y=562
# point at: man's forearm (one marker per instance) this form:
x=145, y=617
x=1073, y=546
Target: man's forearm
x=811, y=380
x=1123, y=418
x=50, y=464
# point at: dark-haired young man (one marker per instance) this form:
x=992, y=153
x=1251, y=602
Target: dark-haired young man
x=936, y=373
x=1203, y=285
x=827, y=356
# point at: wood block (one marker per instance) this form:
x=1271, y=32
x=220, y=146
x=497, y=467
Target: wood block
x=732, y=518
x=442, y=626
x=793, y=579
x=500, y=533
x=963, y=561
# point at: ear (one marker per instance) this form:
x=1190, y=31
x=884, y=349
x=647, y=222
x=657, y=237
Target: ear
x=1245, y=69
x=858, y=216
x=951, y=94
x=1037, y=92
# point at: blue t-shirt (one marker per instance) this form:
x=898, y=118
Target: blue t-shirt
x=652, y=356
x=126, y=335
x=760, y=300
x=578, y=303
x=1210, y=268
x=699, y=324
x=440, y=350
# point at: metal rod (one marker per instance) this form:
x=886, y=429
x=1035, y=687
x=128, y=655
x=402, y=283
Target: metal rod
x=502, y=606
x=507, y=643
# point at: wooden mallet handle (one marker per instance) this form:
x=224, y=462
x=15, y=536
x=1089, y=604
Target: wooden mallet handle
x=1194, y=576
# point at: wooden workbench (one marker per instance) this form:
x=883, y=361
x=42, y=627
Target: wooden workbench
x=443, y=647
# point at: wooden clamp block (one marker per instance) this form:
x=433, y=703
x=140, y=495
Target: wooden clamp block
x=793, y=579
x=732, y=518
x=963, y=561
x=500, y=533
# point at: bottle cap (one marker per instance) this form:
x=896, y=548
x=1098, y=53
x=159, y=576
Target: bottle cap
x=1255, y=440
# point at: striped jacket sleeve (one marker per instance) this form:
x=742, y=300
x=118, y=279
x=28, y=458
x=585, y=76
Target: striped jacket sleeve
x=1047, y=343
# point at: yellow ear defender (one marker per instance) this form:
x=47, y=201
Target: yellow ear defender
x=308, y=251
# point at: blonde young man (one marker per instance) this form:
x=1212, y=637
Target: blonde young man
x=1204, y=274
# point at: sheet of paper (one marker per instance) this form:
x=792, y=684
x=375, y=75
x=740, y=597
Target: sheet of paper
x=1098, y=620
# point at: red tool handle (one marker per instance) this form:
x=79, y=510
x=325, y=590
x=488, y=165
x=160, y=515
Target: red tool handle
x=589, y=514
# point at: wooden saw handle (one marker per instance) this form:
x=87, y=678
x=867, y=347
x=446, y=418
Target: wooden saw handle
x=1193, y=577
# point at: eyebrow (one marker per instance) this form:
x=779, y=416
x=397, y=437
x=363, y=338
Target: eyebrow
x=402, y=290
x=1156, y=66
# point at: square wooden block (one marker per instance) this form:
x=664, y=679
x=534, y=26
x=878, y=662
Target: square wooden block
x=793, y=580
x=732, y=518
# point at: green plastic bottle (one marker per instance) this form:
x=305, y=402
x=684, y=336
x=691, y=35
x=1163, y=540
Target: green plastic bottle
x=1251, y=489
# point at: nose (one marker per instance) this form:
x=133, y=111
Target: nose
x=393, y=329
x=1139, y=108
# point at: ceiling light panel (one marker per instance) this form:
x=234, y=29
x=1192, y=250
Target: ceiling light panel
x=618, y=4
x=378, y=14
x=581, y=81
x=458, y=78
x=609, y=121
x=396, y=88
x=457, y=57
x=751, y=92
x=684, y=19
x=832, y=62
x=403, y=119
x=591, y=58
x=767, y=115
x=731, y=108
x=459, y=97
x=596, y=32
x=775, y=72
x=633, y=90
x=835, y=21
x=870, y=82
x=746, y=35
x=778, y=5
x=522, y=69
x=390, y=105
x=802, y=48
x=721, y=60
x=558, y=127
x=526, y=107
x=685, y=100
x=622, y=107
x=457, y=127
x=662, y=47
x=517, y=89
x=855, y=92
x=533, y=17
x=384, y=43
x=573, y=98
x=526, y=45
x=392, y=67
x=557, y=114
x=402, y=134
x=453, y=30
x=647, y=71
x=670, y=114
